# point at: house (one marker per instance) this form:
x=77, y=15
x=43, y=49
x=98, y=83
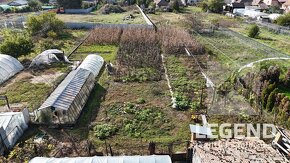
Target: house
x=261, y=4
x=160, y=3
x=18, y=3
x=286, y=6
x=237, y=4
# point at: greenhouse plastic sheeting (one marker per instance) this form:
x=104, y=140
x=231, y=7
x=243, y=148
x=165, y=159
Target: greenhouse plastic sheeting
x=12, y=126
x=47, y=57
x=106, y=159
x=9, y=66
x=65, y=104
x=93, y=63
x=64, y=95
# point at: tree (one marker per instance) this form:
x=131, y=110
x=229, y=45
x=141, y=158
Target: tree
x=254, y=31
x=215, y=6
x=287, y=79
x=70, y=4
x=16, y=44
x=43, y=24
x=283, y=20
x=175, y=6
x=271, y=100
x=35, y=5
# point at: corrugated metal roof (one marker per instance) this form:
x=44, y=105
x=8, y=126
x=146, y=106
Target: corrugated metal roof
x=202, y=130
x=106, y=159
x=9, y=66
x=63, y=96
x=93, y=63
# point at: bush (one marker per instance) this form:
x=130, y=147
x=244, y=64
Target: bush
x=254, y=31
x=41, y=25
x=35, y=5
x=215, y=6
x=104, y=131
x=16, y=44
x=284, y=20
x=175, y=6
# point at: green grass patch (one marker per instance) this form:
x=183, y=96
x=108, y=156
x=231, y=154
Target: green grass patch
x=285, y=90
x=25, y=92
x=108, y=52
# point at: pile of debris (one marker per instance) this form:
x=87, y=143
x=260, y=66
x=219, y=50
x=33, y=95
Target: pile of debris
x=236, y=150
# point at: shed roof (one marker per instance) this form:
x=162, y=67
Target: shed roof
x=9, y=66
x=203, y=130
x=63, y=96
x=106, y=159
x=18, y=3
x=93, y=63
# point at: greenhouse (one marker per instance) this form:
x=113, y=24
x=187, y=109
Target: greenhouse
x=9, y=66
x=65, y=104
x=107, y=159
x=93, y=63
x=48, y=57
x=12, y=126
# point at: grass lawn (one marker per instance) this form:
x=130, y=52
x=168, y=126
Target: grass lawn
x=108, y=52
x=278, y=41
x=285, y=90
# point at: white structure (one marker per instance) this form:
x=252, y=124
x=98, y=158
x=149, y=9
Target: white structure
x=66, y=102
x=254, y=14
x=9, y=66
x=106, y=159
x=93, y=63
x=12, y=126
x=48, y=57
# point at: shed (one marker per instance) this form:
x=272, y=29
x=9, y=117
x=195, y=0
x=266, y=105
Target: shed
x=18, y=3
x=200, y=132
x=93, y=63
x=12, y=126
x=160, y=3
x=106, y=159
x=48, y=57
x=9, y=66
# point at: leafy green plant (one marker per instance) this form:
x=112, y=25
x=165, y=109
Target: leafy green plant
x=104, y=131
x=16, y=44
x=283, y=20
x=254, y=31
x=42, y=25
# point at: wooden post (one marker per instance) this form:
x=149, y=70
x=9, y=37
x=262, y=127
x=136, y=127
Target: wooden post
x=151, y=148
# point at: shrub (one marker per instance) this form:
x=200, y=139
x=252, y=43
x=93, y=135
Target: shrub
x=35, y=5
x=283, y=20
x=16, y=44
x=104, y=131
x=48, y=43
x=254, y=31
x=271, y=100
x=41, y=25
x=175, y=6
x=215, y=6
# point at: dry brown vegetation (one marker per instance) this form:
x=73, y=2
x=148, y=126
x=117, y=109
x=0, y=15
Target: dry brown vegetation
x=174, y=41
x=104, y=36
x=138, y=57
